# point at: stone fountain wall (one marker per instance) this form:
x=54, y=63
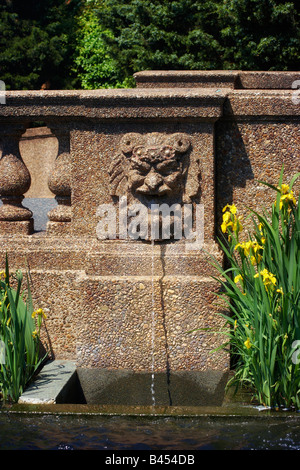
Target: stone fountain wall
x=120, y=304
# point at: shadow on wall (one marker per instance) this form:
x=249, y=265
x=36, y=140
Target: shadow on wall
x=233, y=166
x=250, y=151
x=124, y=387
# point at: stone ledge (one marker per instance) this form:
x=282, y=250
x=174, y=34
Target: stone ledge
x=187, y=78
x=255, y=104
x=51, y=385
x=234, y=79
x=106, y=258
x=135, y=103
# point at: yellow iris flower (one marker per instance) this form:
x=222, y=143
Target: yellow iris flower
x=230, y=220
x=284, y=188
x=40, y=312
x=231, y=208
x=287, y=196
x=247, y=246
x=269, y=279
x=238, y=278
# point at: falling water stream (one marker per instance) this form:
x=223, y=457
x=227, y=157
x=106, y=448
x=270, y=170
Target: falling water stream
x=153, y=322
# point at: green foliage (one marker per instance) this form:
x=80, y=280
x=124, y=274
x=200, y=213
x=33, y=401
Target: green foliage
x=199, y=35
x=36, y=43
x=259, y=34
x=19, y=337
x=102, y=43
x=161, y=35
x=262, y=290
x=94, y=67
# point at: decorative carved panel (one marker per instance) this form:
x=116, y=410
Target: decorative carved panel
x=152, y=167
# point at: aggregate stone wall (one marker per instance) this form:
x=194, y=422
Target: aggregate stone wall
x=118, y=304
x=257, y=136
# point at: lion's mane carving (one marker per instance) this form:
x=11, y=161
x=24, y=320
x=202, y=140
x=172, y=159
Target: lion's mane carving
x=150, y=166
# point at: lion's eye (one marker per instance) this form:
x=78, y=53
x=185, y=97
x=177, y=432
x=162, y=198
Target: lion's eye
x=139, y=152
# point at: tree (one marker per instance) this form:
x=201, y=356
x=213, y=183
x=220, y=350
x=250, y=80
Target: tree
x=201, y=34
x=161, y=34
x=36, y=43
x=93, y=65
x=260, y=34
x=102, y=43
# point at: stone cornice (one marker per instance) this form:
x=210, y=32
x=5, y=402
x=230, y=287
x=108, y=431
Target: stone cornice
x=175, y=103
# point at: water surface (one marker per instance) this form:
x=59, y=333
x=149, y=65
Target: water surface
x=78, y=432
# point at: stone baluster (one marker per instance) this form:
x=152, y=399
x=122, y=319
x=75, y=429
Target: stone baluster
x=60, y=184
x=15, y=180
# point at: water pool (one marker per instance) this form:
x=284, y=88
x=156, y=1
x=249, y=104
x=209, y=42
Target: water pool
x=94, y=432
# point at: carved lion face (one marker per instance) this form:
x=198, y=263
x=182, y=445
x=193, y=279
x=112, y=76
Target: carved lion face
x=154, y=171
x=154, y=163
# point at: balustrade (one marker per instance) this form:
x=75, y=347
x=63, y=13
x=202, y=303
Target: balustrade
x=221, y=121
x=15, y=180
x=60, y=183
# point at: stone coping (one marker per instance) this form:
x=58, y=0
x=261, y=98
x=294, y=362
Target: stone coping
x=201, y=104
x=113, y=104
x=235, y=79
x=40, y=240
x=259, y=103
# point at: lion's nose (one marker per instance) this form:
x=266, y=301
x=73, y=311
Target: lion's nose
x=153, y=180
